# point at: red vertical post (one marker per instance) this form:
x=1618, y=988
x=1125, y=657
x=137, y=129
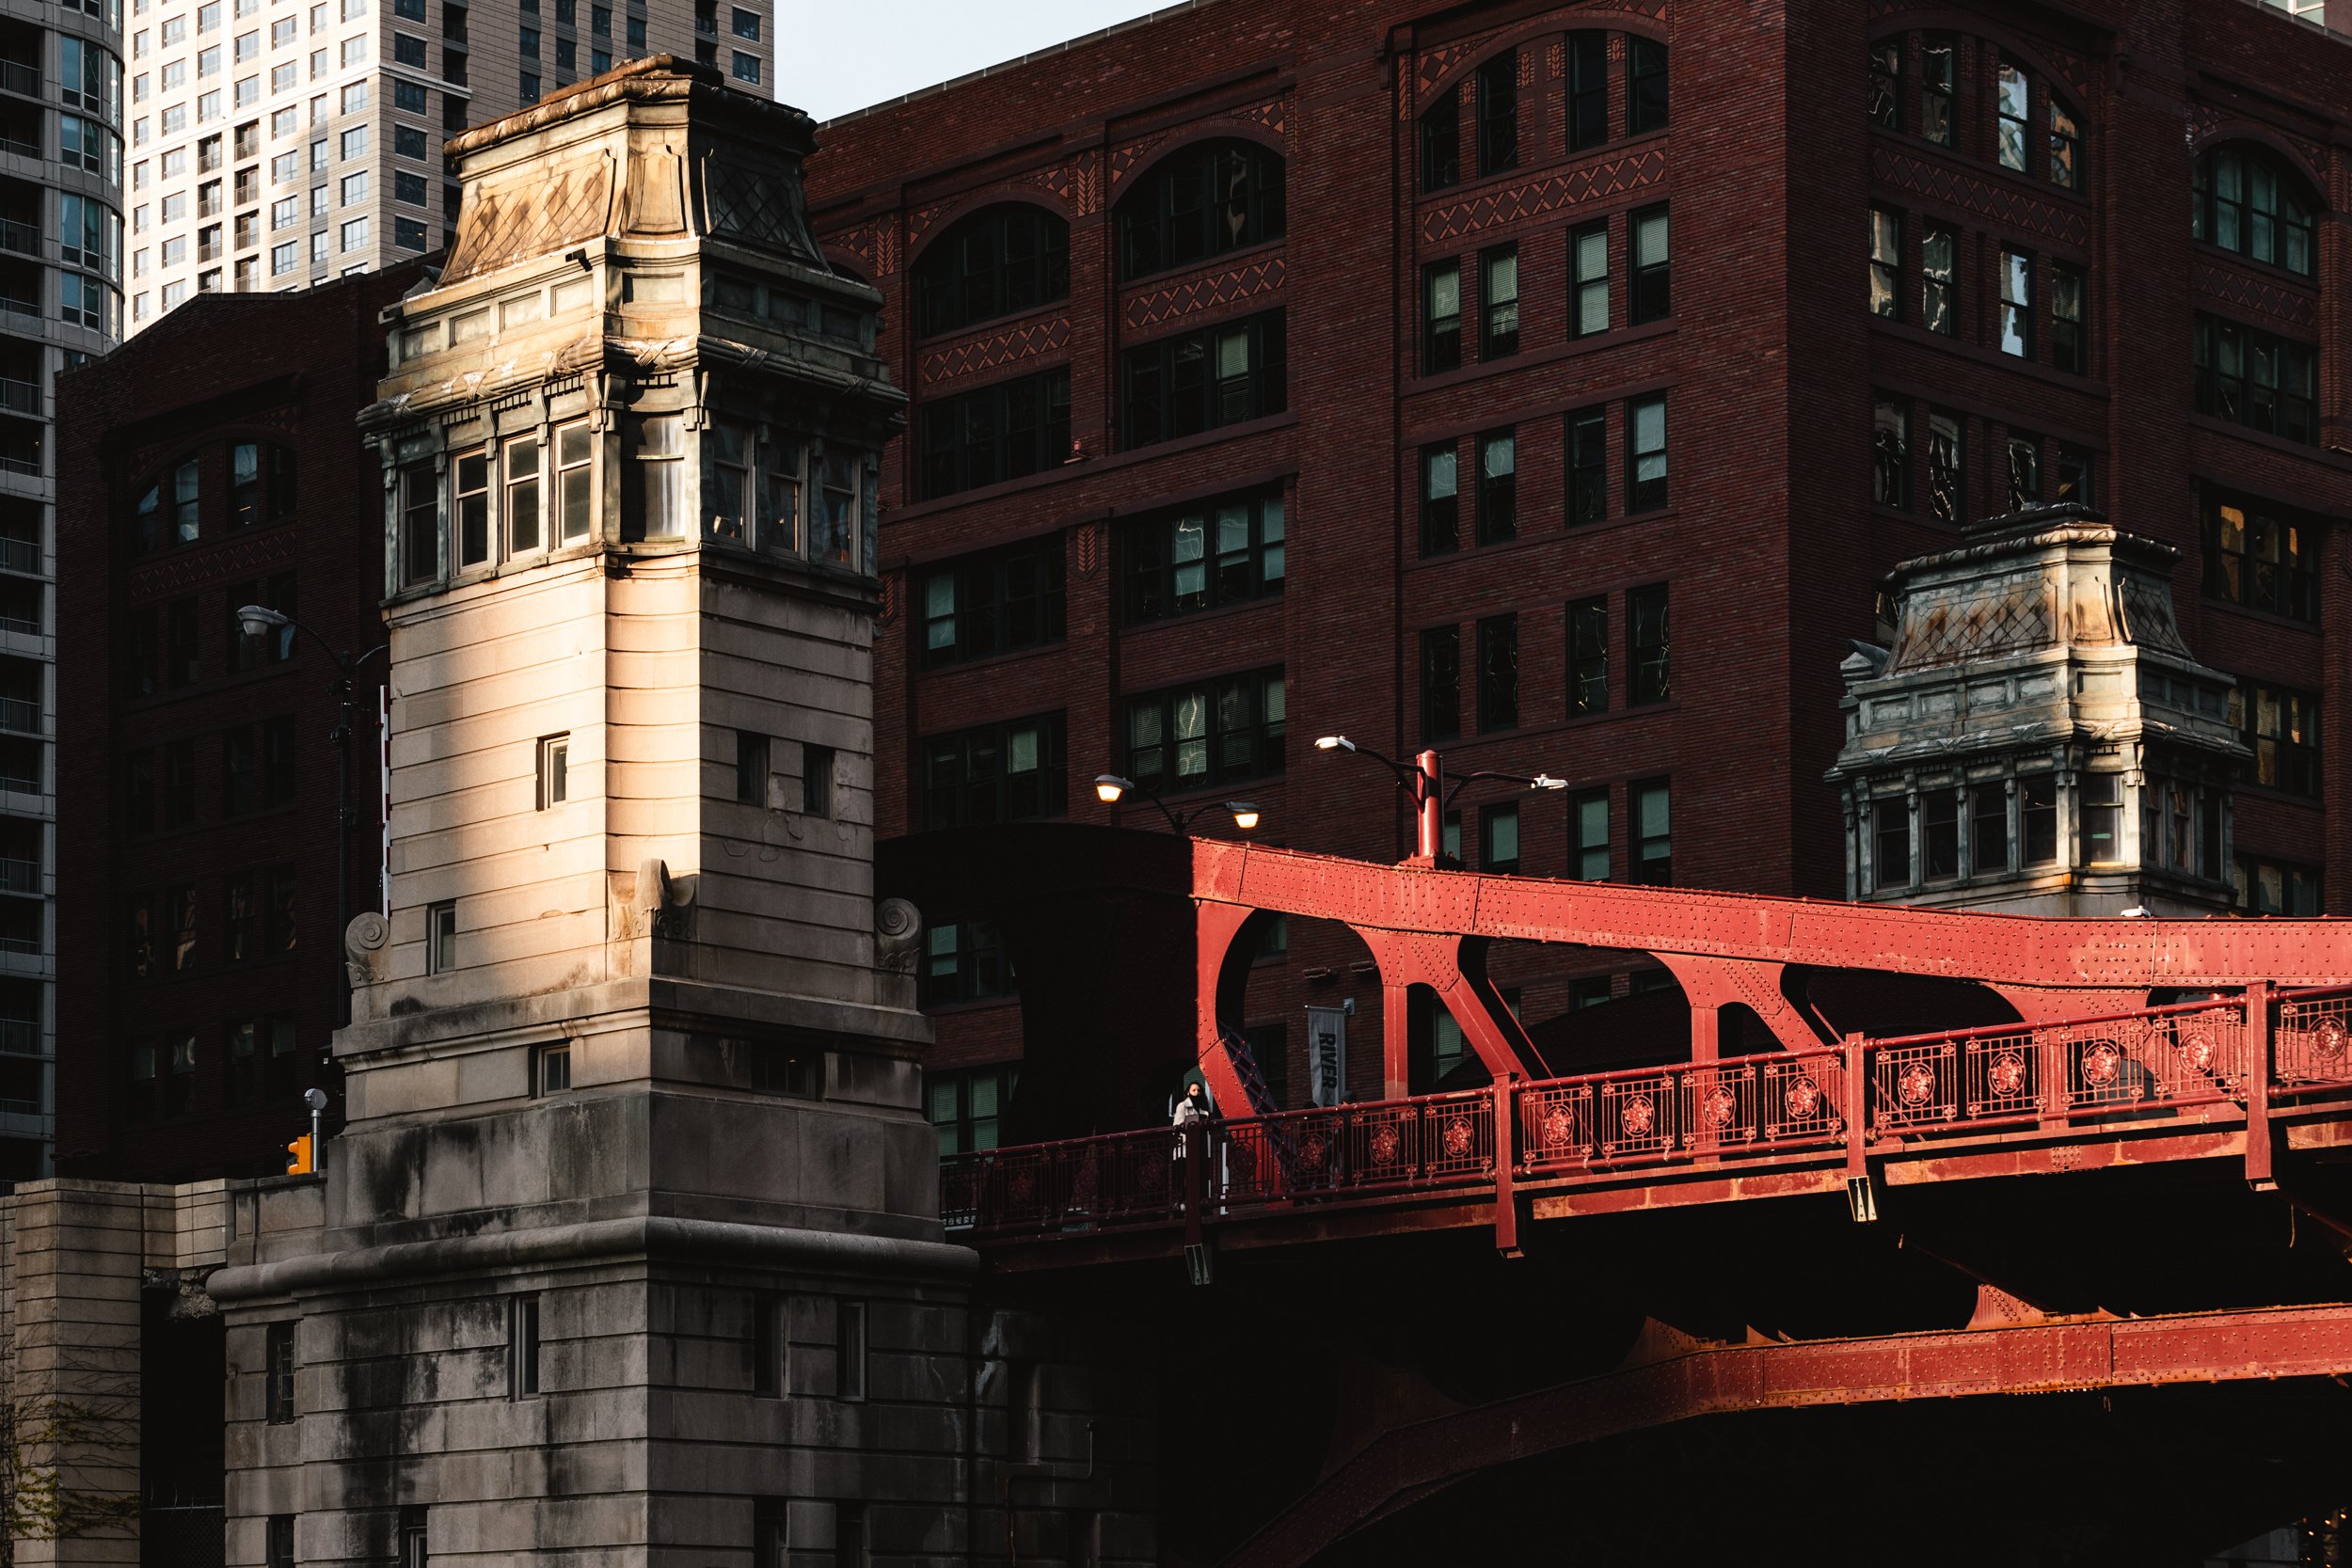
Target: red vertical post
x=1432, y=806
x=2258, y=1051
x=1506, y=1145
x=1856, y=1103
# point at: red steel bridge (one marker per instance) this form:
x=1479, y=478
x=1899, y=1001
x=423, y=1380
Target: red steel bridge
x=2196, y=1058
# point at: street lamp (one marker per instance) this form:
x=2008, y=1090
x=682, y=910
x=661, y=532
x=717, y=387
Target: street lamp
x=1425, y=785
x=1110, y=790
x=259, y=621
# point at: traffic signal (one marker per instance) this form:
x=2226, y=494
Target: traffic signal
x=298, y=1156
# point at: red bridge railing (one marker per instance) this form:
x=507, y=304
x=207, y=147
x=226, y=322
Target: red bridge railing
x=1862, y=1098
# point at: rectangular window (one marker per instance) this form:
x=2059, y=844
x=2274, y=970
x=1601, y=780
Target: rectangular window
x=751, y=768
x=1939, y=279
x=1645, y=85
x=1939, y=835
x=964, y=1107
x=1588, y=281
x=1226, y=553
x=1653, y=295
x=1939, y=72
x=1008, y=772
x=278, y=1549
x=522, y=1346
x=1498, y=672
x=1588, y=836
x=1441, y=684
x=1588, y=655
x=833, y=534
x=770, y=1539
x=2103, y=818
x=1498, y=302
x=1886, y=262
x=654, y=494
x=964, y=962
x=769, y=1374
x=1441, y=317
x=1203, y=380
x=1647, y=677
x=1890, y=454
x=2070, y=336
x=2261, y=560
x=849, y=1352
x=1645, y=455
x=1653, y=840
x=2256, y=379
x=279, y=1373
x=2037, y=817
x=2280, y=727
x=1497, y=110
x=1497, y=497
x=1213, y=733
x=2013, y=101
x=1006, y=431
x=1947, y=479
x=1988, y=829
x=1440, y=500
x=407, y=50
x=551, y=1069
x=1001, y=602
x=817, y=779
x=441, y=938
x=728, y=486
x=1886, y=84
x=575, y=450
x=2271, y=887
x=1499, y=839
x=472, y=503
x=1587, y=460
x=1441, y=141
x=2017, y=303
x=1588, y=89
x=1890, y=842
x=519, y=457
x=555, y=768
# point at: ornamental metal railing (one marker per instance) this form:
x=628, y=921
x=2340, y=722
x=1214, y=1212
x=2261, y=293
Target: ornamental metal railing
x=2183, y=1064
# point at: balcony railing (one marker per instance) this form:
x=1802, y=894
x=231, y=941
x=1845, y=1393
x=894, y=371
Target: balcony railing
x=20, y=555
x=19, y=307
x=20, y=397
x=10, y=463
x=22, y=238
x=20, y=945
x=19, y=1036
x=16, y=77
x=19, y=715
x=20, y=876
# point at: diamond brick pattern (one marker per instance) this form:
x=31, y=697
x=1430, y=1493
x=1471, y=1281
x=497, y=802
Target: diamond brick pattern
x=750, y=207
x=1997, y=199
x=2249, y=292
x=992, y=351
x=195, y=565
x=875, y=244
x=1203, y=294
x=1532, y=199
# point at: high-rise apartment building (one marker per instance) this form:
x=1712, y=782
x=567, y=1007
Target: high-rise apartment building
x=61, y=266
x=279, y=143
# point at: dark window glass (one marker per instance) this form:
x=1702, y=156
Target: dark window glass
x=2102, y=818
x=1886, y=262
x=2017, y=303
x=1653, y=295
x=2066, y=146
x=1588, y=655
x=1499, y=839
x=1588, y=280
x=1588, y=466
x=1199, y=381
x=2261, y=560
x=2072, y=469
x=1498, y=496
x=964, y=961
x=2248, y=200
x=1441, y=141
x=752, y=767
x=1647, y=678
x=1653, y=855
x=1939, y=835
x=2070, y=337
x=1198, y=202
x=1498, y=672
x=1216, y=732
x=1939, y=279
x=2257, y=379
x=2280, y=727
x=965, y=1107
x=279, y=1370
x=1645, y=85
x=1498, y=105
x=2037, y=817
x=1988, y=829
x=2273, y=887
x=817, y=765
x=996, y=433
x=1010, y=772
x=1440, y=500
x=999, y=260
x=1645, y=455
x=1588, y=836
x=1886, y=84
x=1588, y=89
x=993, y=603
x=2025, y=471
x=1441, y=317
x=1939, y=73
x=2013, y=103
x=1224, y=553
x=1498, y=302
x=1890, y=454
x=1441, y=684
x=1947, y=479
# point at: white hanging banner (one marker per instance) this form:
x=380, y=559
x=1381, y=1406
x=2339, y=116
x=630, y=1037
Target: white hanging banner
x=1327, y=1056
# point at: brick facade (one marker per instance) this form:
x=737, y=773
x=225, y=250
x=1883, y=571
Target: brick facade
x=1770, y=543
x=289, y=371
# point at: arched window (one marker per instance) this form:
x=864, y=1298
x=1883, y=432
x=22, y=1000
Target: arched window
x=2248, y=200
x=261, y=484
x=1000, y=259
x=1201, y=201
x=2066, y=146
x=168, y=509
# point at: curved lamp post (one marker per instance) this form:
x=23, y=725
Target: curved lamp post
x=1110, y=790
x=259, y=621
x=1424, y=784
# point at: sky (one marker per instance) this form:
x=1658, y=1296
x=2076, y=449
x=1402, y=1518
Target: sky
x=846, y=55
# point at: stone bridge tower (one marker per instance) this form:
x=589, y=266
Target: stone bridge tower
x=631, y=1249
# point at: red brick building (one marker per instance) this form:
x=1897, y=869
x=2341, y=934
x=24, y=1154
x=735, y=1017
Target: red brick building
x=211, y=462
x=1555, y=382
